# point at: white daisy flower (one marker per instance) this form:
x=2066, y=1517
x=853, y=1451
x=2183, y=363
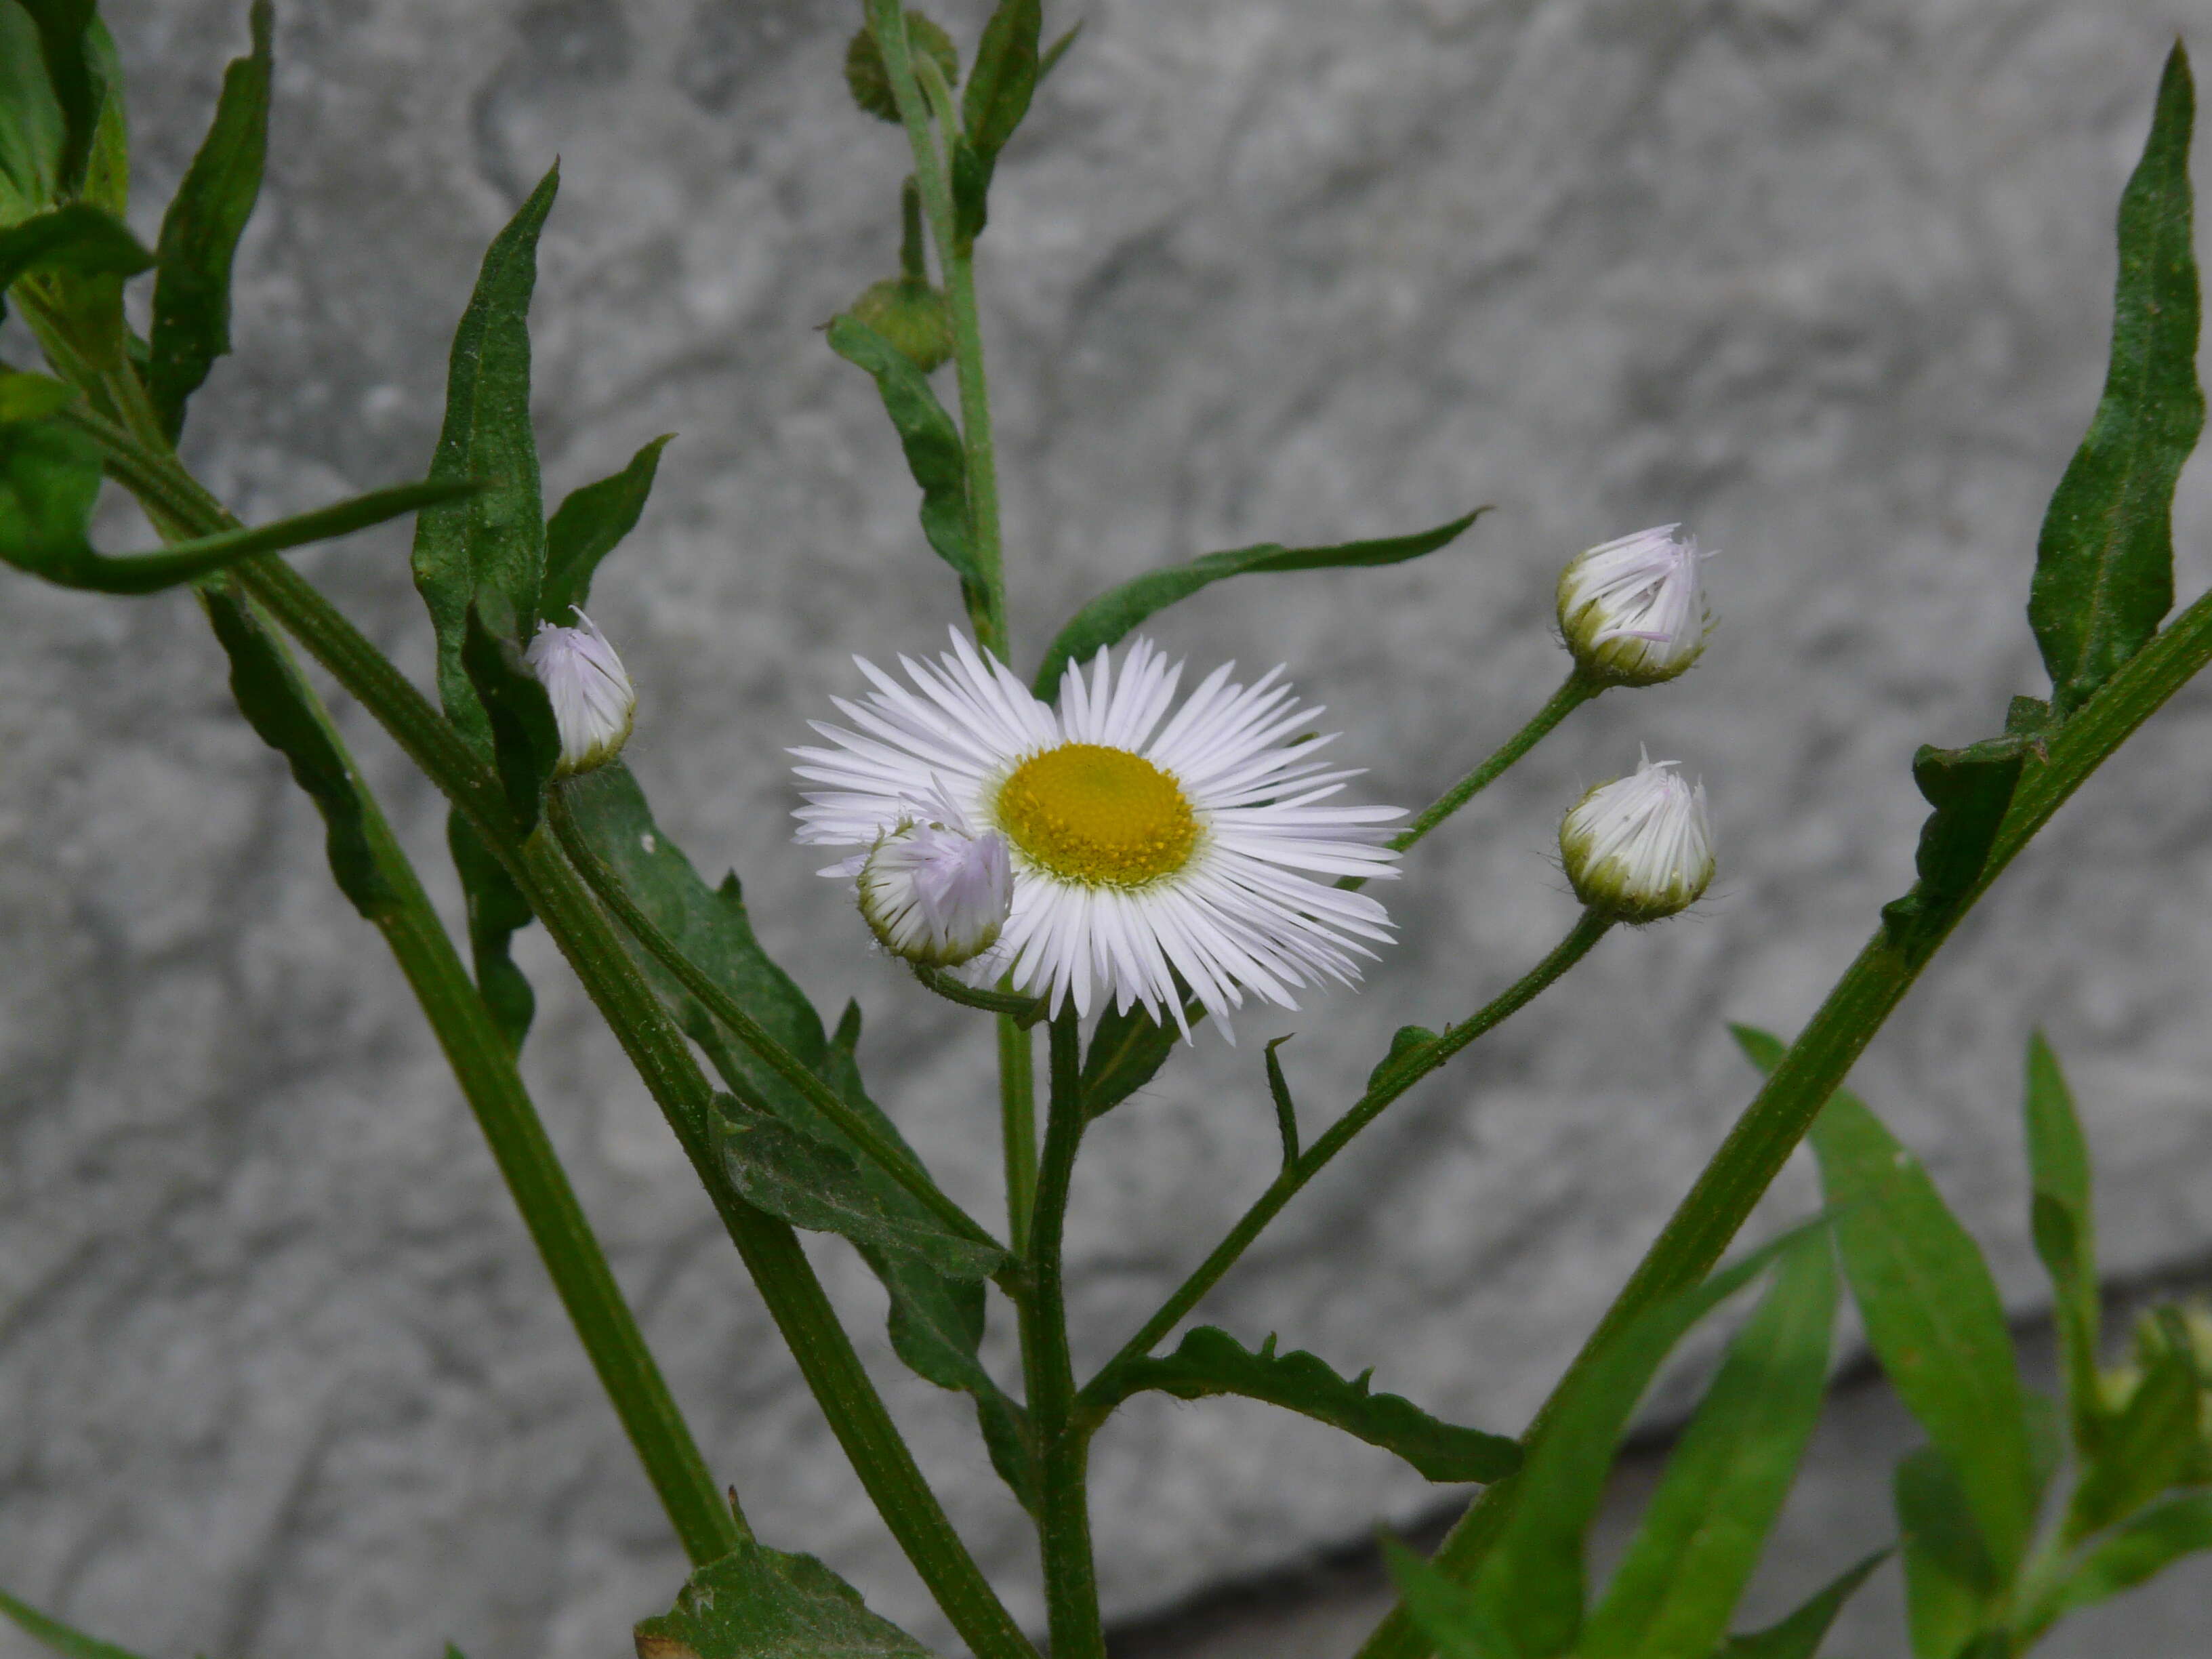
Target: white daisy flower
x=1151, y=853
x=1640, y=847
x=593, y=703
x=936, y=895
x=1633, y=611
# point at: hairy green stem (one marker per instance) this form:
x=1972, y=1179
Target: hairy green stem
x=1071, y=1584
x=1017, y=1127
x=1781, y=1113
x=1105, y=1390
x=1025, y=1010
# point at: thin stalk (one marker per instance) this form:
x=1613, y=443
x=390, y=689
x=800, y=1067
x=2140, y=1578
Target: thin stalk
x=1782, y=1111
x=1017, y=1127
x=1025, y=1010
x=1071, y=1584
x=1104, y=1391
x=895, y=1161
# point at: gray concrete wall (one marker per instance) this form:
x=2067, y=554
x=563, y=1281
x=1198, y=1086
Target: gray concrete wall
x=1830, y=281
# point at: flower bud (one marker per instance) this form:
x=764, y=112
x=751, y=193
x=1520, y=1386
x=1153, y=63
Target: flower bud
x=593, y=703
x=937, y=895
x=1640, y=847
x=869, y=79
x=913, y=316
x=1633, y=611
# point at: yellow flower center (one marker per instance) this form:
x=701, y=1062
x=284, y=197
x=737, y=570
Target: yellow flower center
x=1101, y=816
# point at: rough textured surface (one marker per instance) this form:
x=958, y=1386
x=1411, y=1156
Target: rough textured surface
x=1828, y=279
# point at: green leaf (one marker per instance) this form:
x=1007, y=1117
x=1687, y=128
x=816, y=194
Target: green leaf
x=31, y=135
x=1115, y=612
x=77, y=241
x=525, y=741
x=820, y=1188
x=50, y=481
x=759, y=1604
x=2132, y=1554
x=1444, y=1612
x=2103, y=565
x=1126, y=1050
x=1800, y=1635
x=275, y=704
x=496, y=911
x=1286, y=1111
x=1951, y=1585
x=1933, y=1317
x=1057, y=50
x=1703, y=1531
x=1970, y=789
x=25, y=397
x=494, y=542
x=2063, y=1220
x=589, y=525
x=1408, y=1043
x=75, y=72
x=1531, y=1583
x=200, y=233
x=998, y=87
x=2149, y=1447
x=926, y=432
x=71, y=1643
x=971, y=194
x=936, y=1322
x=1209, y=1361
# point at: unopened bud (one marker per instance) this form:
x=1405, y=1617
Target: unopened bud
x=870, y=81
x=1633, y=611
x=593, y=703
x=913, y=316
x=936, y=895
x=1641, y=847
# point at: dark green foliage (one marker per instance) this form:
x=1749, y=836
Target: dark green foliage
x=76, y=240
x=275, y=704
x=526, y=742
x=1970, y=789
x=31, y=397
x=2148, y=1447
x=1128, y=1049
x=67, y=1642
x=759, y=1604
x=30, y=120
x=1115, y=612
x=2103, y=565
x=496, y=911
x=1006, y=75
x=1209, y=1361
x=77, y=76
x=589, y=523
x=971, y=193
x=1446, y=1612
x=2062, y=1216
x=1800, y=1635
x=926, y=432
x=2132, y=1554
x=868, y=78
x=200, y=233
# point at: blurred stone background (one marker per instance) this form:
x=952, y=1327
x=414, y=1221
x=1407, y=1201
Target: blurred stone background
x=1828, y=279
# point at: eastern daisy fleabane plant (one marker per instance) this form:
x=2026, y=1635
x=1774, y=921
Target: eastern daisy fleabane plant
x=1153, y=855
x=1633, y=611
x=594, y=704
x=936, y=895
x=1641, y=847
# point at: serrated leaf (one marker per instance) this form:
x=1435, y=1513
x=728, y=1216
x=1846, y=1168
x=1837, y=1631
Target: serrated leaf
x=1970, y=789
x=73, y=72
x=2148, y=1448
x=589, y=523
x=1126, y=1050
x=1005, y=77
x=1703, y=1531
x=1209, y=1361
x=269, y=694
x=1407, y=1044
x=70, y=1642
x=932, y=443
x=496, y=541
x=2133, y=1554
x=1444, y=1612
x=936, y=1322
x=1800, y=1635
x=1531, y=1584
x=50, y=482
x=525, y=741
x=200, y=233
x=1933, y=1317
x=2062, y=1216
x=760, y=1603
x=2104, y=564
x=1950, y=1583
x=1111, y=616
x=496, y=911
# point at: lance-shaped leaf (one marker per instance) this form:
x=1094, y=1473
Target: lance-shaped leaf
x=497, y=911
x=31, y=134
x=1951, y=1587
x=759, y=1604
x=50, y=480
x=936, y=1322
x=2062, y=1218
x=77, y=241
x=496, y=541
x=1445, y=1611
x=1970, y=789
x=998, y=87
x=65, y=1640
x=589, y=525
x=1115, y=612
x=77, y=74
x=927, y=434
x=2103, y=565
x=1703, y=1529
x=1126, y=1050
x=1800, y=1635
x=1209, y=1361
x=200, y=233
x=2131, y=1555
x=1057, y=50
x=270, y=694
x=526, y=740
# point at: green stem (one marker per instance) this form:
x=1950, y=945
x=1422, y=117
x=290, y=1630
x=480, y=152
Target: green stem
x=1025, y=1010
x=1070, y=1586
x=1017, y=1127
x=1105, y=1390
x=893, y=1160
x=1783, y=1109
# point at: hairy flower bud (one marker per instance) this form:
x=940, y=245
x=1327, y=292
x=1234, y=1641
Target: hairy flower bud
x=869, y=79
x=593, y=703
x=913, y=316
x=937, y=895
x=1633, y=611
x=1641, y=847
